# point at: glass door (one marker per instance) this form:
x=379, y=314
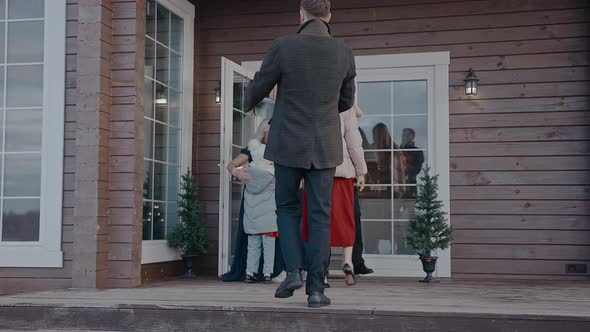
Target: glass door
x=237, y=128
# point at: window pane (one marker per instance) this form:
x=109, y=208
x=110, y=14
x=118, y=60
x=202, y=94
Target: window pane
x=374, y=98
x=171, y=216
x=401, y=246
x=163, y=25
x=176, y=33
x=150, y=28
x=2, y=9
x=375, y=203
x=404, y=208
x=248, y=128
x=379, y=167
x=235, y=205
x=148, y=171
x=174, y=107
x=159, y=181
x=377, y=237
x=148, y=140
x=173, y=145
x=150, y=57
x=26, y=9
x=2, y=39
x=411, y=131
x=148, y=98
x=410, y=97
x=173, y=183
x=237, y=129
x=162, y=64
x=24, y=86
x=20, y=220
x=25, y=42
x=22, y=175
x=159, y=221
x=2, y=68
x=147, y=221
x=23, y=130
x=161, y=103
x=161, y=144
x=240, y=84
x=376, y=131
x=175, y=71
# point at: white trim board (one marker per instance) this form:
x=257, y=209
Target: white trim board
x=47, y=251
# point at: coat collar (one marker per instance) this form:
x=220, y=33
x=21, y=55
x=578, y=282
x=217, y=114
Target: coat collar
x=315, y=27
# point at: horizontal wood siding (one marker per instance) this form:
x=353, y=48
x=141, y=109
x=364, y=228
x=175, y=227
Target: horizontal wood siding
x=520, y=150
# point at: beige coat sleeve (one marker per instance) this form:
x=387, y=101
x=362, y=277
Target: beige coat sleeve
x=354, y=143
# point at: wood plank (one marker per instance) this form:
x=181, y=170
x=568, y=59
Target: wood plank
x=536, y=75
x=554, y=89
x=520, y=163
x=520, y=134
x=549, y=252
x=524, y=119
x=522, y=237
x=520, y=178
x=343, y=29
x=514, y=222
x=528, y=207
x=502, y=48
x=420, y=38
x=523, y=61
x=559, y=148
x=520, y=192
x=39, y=274
x=525, y=267
x=389, y=13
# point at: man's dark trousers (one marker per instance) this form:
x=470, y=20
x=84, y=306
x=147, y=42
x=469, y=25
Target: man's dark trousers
x=318, y=185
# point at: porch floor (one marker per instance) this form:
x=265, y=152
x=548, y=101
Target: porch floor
x=521, y=301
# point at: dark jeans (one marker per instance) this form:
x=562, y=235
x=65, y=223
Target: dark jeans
x=318, y=185
x=357, y=250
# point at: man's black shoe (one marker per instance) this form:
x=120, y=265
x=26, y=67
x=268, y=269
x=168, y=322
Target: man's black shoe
x=289, y=285
x=317, y=300
x=362, y=270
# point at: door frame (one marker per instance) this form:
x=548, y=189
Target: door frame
x=434, y=67
x=228, y=68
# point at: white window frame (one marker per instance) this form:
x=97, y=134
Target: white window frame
x=47, y=251
x=434, y=67
x=155, y=251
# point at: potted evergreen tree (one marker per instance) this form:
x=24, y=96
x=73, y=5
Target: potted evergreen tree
x=428, y=229
x=189, y=234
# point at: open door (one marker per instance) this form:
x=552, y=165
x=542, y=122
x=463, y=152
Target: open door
x=237, y=128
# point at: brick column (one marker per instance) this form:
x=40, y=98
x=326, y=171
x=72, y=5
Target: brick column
x=91, y=205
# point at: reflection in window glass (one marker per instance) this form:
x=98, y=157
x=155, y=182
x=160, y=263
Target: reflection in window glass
x=24, y=86
x=22, y=175
x=394, y=129
x=23, y=130
x=26, y=9
x=163, y=114
x=20, y=219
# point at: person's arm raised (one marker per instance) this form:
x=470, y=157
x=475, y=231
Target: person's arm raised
x=265, y=79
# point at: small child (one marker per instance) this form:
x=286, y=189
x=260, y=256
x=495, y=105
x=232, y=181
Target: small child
x=259, y=203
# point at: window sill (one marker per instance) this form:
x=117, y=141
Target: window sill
x=19, y=256
x=156, y=251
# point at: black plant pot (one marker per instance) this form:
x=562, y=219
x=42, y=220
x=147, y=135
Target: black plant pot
x=429, y=265
x=188, y=266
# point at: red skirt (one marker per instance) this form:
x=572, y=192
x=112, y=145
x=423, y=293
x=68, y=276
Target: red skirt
x=342, y=231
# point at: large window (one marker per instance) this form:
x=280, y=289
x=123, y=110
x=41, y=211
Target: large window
x=32, y=54
x=167, y=112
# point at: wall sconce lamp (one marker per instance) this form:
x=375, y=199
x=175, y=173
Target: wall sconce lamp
x=471, y=83
x=218, y=93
